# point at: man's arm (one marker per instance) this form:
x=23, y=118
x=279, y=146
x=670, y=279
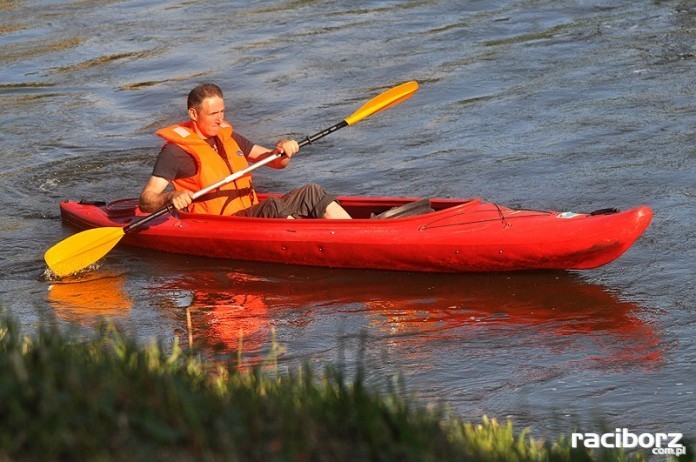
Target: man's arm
x=154, y=197
x=288, y=147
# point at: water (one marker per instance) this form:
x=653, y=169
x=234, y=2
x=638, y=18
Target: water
x=533, y=103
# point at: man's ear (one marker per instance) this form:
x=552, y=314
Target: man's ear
x=193, y=114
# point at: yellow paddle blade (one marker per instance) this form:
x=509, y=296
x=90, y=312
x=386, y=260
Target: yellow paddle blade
x=383, y=101
x=81, y=250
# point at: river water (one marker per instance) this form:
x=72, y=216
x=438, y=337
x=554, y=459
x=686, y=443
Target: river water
x=546, y=104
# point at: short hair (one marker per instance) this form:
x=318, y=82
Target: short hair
x=201, y=92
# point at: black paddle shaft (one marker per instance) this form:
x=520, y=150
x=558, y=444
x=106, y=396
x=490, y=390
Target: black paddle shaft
x=169, y=208
x=323, y=133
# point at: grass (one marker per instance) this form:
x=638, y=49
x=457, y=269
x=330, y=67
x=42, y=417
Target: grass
x=107, y=398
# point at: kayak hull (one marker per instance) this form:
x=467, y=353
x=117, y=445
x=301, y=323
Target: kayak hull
x=465, y=235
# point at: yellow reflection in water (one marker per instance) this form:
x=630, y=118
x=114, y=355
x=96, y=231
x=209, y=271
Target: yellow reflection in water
x=86, y=299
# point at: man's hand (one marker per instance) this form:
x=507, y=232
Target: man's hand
x=287, y=147
x=181, y=199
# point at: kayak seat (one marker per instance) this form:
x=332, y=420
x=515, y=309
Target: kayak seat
x=407, y=210
x=95, y=203
x=608, y=211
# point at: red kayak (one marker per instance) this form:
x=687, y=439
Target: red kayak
x=408, y=234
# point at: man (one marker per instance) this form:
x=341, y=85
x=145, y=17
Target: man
x=206, y=149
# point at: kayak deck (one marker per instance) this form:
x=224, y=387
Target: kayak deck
x=454, y=235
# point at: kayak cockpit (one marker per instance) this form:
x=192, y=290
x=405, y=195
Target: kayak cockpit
x=393, y=207
x=357, y=207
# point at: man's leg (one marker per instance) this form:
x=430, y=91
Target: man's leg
x=311, y=201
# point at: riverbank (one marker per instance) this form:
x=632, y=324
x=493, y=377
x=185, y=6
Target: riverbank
x=108, y=398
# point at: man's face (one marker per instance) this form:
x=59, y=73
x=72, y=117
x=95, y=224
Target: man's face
x=209, y=117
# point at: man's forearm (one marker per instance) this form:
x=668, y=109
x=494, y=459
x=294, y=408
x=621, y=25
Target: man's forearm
x=151, y=201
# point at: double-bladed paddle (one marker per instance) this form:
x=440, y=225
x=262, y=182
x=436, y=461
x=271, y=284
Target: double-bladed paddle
x=82, y=249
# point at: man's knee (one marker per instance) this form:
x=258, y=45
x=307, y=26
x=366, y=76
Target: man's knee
x=312, y=190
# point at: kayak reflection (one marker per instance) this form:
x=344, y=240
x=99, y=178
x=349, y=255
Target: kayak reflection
x=232, y=320
x=86, y=299
x=418, y=308
x=222, y=315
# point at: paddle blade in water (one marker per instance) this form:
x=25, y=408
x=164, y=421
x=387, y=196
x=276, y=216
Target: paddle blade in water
x=81, y=250
x=383, y=101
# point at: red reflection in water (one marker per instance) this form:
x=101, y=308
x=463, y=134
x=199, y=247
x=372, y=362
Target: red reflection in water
x=233, y=319
x=236, y=308
x=228, y=306
x=225, y=317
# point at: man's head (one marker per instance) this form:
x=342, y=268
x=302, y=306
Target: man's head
x=206, y=108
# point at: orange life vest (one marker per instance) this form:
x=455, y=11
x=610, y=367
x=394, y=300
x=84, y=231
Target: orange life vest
x=211, y=168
